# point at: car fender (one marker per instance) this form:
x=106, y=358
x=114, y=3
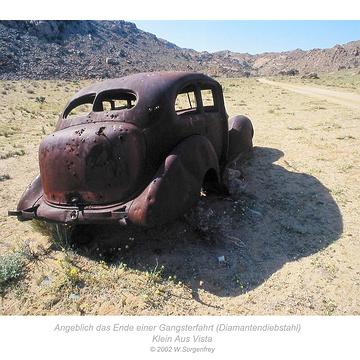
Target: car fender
x=29, y=201
x=240, y=137
x=177, y=184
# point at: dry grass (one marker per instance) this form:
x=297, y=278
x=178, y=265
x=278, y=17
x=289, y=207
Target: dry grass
x=290, y=237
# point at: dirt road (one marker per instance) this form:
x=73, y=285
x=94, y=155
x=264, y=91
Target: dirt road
x=342, y=98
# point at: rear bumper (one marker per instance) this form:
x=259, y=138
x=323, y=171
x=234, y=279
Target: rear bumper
x=73, y=214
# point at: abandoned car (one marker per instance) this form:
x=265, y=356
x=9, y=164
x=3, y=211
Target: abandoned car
x=135, y=150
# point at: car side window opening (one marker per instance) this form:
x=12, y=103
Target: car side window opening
x=79, y=107
x=185, y=100
x=208, y=100
x=114, y=100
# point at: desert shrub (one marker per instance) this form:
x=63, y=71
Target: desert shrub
x=5, y=177
x=155, y=275
x=11, y=268
x=40, y=99
x=11, y=154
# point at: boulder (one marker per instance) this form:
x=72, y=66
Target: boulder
x=312, y=75
x=111, y=61
x=290, y=72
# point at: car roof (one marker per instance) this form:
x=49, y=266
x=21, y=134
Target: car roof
x=148, y=86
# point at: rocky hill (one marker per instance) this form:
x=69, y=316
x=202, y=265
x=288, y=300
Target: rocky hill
x=100, y=49
x=321, y=60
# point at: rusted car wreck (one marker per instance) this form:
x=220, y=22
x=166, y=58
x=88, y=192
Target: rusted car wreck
x=140, y=154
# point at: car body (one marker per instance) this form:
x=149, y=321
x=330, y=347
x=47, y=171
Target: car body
x=140, y=154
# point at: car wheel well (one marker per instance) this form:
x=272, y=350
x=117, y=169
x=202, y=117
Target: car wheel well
x=211, y=182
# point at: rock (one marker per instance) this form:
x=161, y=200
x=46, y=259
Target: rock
x=111, y=61
x=122, y=53
x=232, y=180
x=48, y=29
x=312, y=75
x=231, y=174
x=290, y=72
x=46, y=281
x=73, y=296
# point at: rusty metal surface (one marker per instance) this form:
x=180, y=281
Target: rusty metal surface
x=141, y=163
x=240, y=137
x=91, y=167
x=177, y=184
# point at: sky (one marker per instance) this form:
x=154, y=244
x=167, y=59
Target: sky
x=252, y=36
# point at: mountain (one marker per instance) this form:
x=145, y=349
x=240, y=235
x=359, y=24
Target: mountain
x=38, y=49
x=318, y=60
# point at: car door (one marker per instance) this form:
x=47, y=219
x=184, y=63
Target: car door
x=189, y=117
x=213, y=117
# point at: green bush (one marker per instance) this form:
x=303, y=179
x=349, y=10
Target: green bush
x=11, y=268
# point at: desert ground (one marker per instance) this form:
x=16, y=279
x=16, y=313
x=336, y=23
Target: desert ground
x=289, y=231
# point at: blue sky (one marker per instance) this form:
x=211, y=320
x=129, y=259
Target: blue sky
x=252, y=36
